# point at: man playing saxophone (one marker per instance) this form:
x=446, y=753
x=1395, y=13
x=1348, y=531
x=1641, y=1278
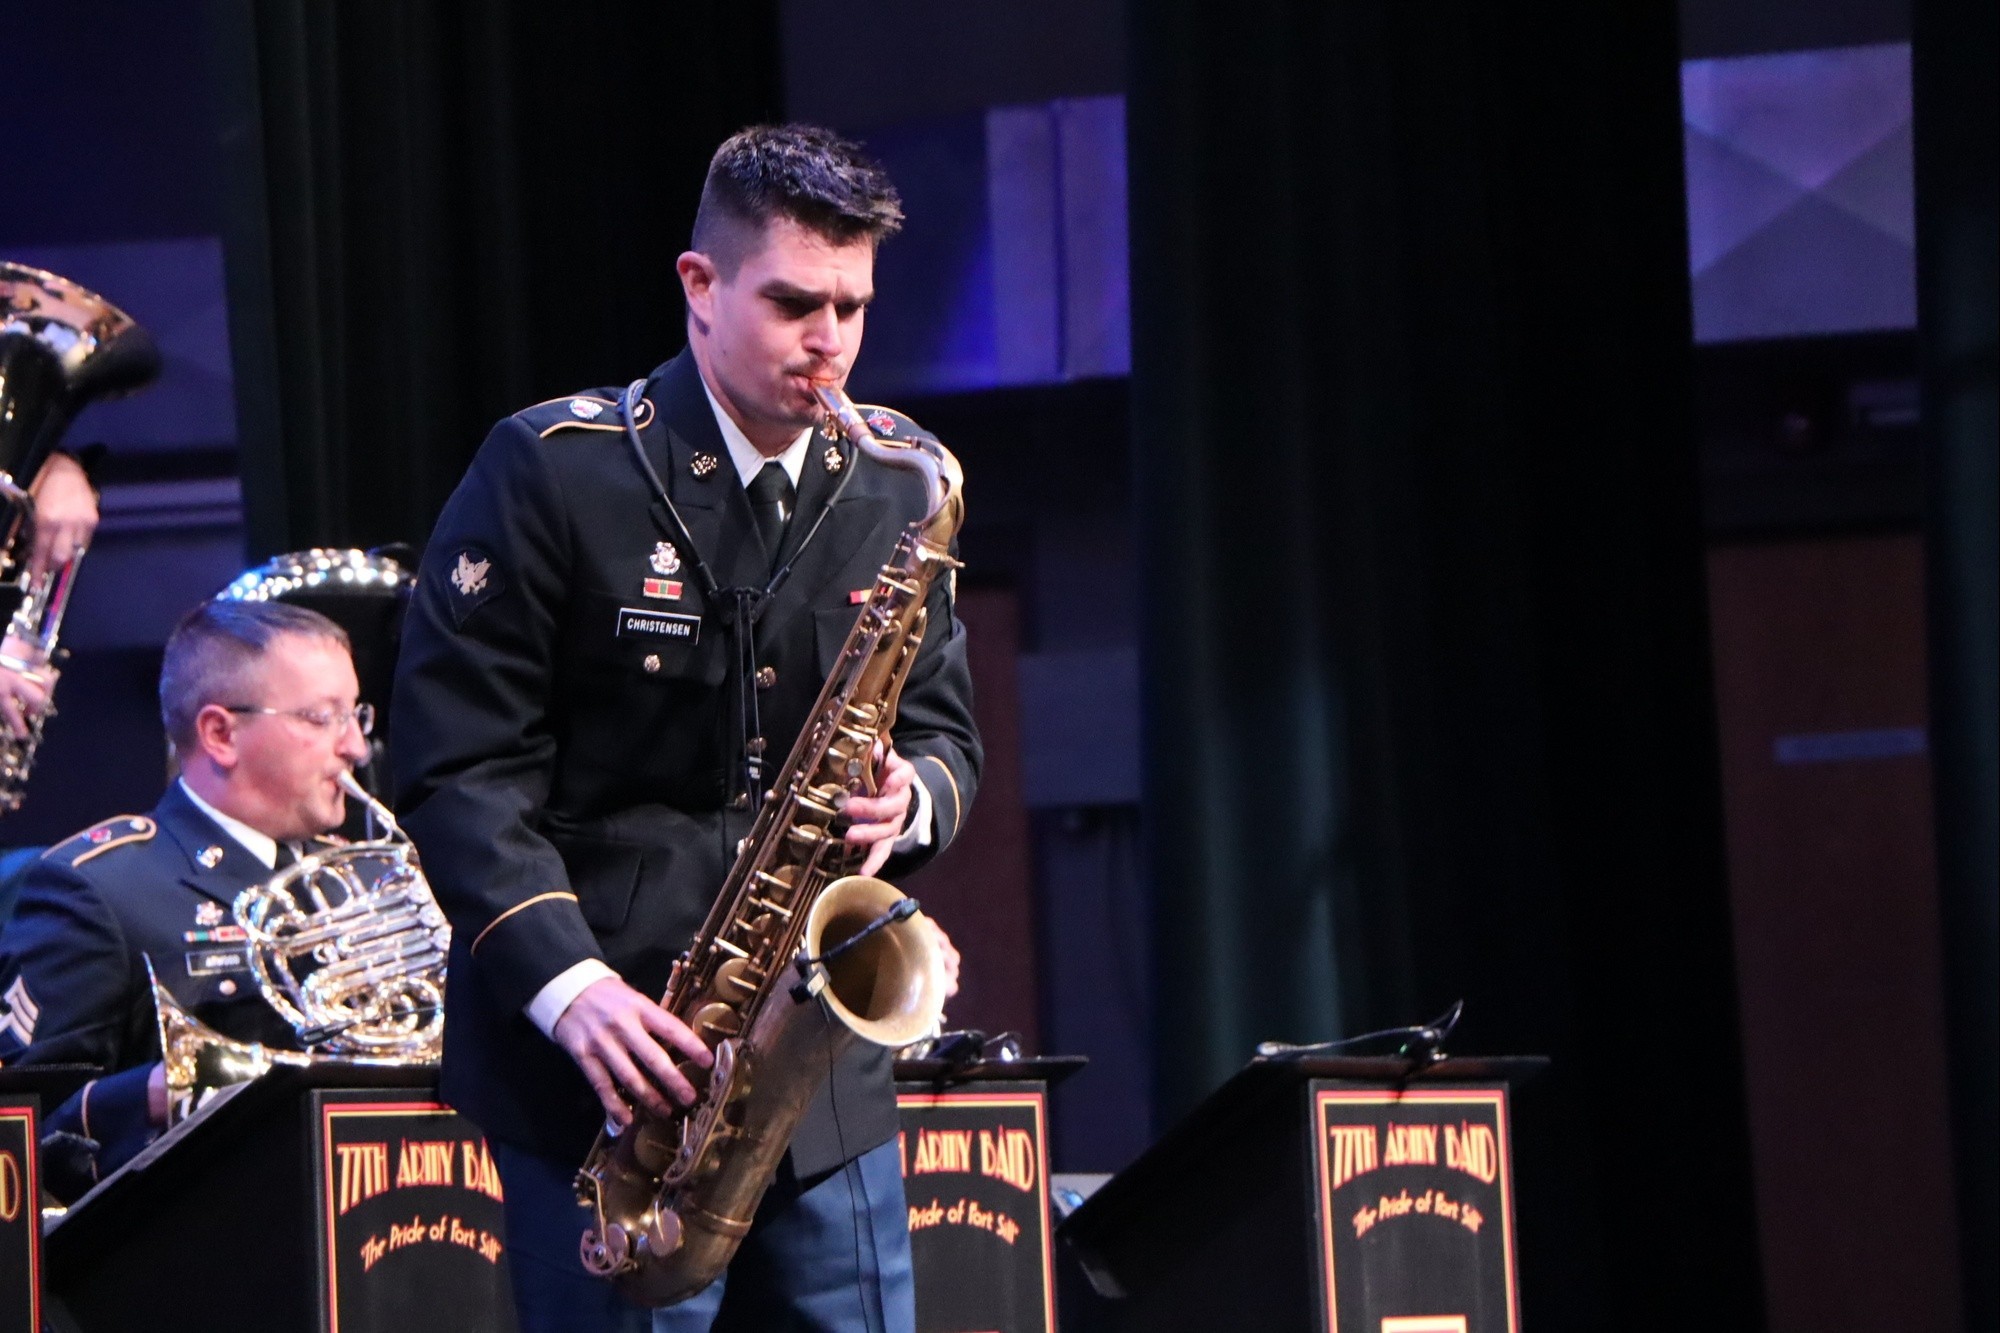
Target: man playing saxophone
x=259, y=702
x=622, y=620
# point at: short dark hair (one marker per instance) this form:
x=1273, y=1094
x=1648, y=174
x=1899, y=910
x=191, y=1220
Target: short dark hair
x=819, y=180
x=213, y=649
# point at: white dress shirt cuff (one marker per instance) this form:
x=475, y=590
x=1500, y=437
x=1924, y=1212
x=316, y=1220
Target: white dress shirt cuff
x=918, y=834
x=551, y=1000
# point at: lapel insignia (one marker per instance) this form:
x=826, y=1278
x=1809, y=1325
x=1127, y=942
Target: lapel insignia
x=665, y=559
x=666, y=589
x=831, y=459
x=703, y=465
x=208, y=914
x=210, y=857
x=469, y=577
x=881, y=422
x=584, y=408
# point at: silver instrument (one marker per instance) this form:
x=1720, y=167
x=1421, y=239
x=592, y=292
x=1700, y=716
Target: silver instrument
x=61, y=346
x=348, y=945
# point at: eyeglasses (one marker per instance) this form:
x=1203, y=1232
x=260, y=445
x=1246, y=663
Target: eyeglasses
x=326, y=719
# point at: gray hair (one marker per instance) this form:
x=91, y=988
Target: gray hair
x=213, y=651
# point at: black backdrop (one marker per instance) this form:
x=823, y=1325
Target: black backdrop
x=439, y=213
x=1427, y=708
x=1427, y=705
x=1957, y=106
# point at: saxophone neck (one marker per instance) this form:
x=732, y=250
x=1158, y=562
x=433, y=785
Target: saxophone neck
x=944, y=481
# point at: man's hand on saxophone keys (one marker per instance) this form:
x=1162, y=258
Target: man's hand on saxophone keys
x=877, y=821
x=620, y=1039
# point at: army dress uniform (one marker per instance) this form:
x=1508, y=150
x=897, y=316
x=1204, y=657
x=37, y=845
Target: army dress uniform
x=73, y=980
x=567, y=718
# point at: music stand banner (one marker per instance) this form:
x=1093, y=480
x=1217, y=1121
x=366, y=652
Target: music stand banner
x=1416, y=1210
x=20, y=1220
x=410, y=1215
x=975, y=1173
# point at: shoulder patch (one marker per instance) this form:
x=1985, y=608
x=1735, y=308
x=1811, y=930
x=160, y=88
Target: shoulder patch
x=101, y=838
x=889, y=424
x=583, y=411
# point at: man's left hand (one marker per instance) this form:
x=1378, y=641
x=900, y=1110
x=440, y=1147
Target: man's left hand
x=877, y=821
x=65, y=513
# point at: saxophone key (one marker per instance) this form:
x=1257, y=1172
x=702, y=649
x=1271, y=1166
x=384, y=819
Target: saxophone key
x=716, y=1020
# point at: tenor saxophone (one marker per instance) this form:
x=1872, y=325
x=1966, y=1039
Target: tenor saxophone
x=798, y=950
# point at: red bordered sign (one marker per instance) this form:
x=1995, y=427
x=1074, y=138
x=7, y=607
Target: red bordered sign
x=20, y=1222
x=410, y=1217
x=1415, y=1210
x=975, y=1174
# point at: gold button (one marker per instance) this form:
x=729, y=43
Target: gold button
x=766, y=677
x=652, y=662
x=227, y=987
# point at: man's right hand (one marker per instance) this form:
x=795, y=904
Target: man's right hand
x=619, y=1039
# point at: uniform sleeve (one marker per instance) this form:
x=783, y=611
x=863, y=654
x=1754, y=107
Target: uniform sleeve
x=103, y=1125
x=934, y=727
x=474, y=748
x=65, y=974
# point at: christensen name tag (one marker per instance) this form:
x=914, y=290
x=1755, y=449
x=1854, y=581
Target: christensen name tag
x=638, y=622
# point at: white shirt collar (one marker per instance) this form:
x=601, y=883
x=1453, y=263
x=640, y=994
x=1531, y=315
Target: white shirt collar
x=744, y=454
x=260, y=845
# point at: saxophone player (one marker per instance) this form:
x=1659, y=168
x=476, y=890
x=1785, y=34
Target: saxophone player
x=259, y=701
x=65, y=517
x=591, y=691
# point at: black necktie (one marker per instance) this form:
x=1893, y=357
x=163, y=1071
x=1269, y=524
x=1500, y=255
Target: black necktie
x=285, y=857
x=771, y=498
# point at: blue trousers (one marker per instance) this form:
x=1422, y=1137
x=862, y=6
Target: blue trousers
x=829, y=1254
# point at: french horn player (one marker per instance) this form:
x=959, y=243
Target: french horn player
x=622, y=627
x=260, y=703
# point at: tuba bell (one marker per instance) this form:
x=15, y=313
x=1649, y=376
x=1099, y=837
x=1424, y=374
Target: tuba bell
x=60, y=347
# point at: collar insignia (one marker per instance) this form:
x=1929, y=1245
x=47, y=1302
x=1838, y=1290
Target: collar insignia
x=831, y=459
x=703, y=465
x=210, y=857
x=208, y=914
x=665, y=560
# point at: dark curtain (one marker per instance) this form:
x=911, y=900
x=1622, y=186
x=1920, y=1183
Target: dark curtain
x=1427, y=704
x=1957, y=114
x=443, y=212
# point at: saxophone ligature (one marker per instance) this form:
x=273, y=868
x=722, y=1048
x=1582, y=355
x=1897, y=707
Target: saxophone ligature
x=61, y=347
x=348, y=946
x=797, y=951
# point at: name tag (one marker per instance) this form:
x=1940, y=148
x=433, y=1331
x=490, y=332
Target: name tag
x=207, y=962
x=638, y=622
